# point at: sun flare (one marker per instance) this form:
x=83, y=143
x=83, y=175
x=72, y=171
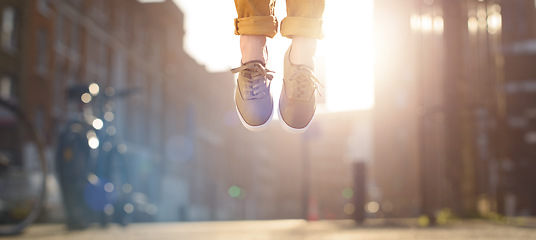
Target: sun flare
x=348, y=50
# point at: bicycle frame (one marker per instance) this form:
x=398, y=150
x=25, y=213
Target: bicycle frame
x=100, y=194
x=35, y=136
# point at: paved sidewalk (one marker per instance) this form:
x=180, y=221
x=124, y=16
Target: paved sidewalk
x=287, y=229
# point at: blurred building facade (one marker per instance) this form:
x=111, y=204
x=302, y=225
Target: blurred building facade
x=396, y=165
x=453, y=118
x=518, y=41
x=49, y=46
x=191, y=158
x=453, y=114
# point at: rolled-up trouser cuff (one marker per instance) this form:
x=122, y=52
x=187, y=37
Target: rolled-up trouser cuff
x=256, y=25
x=304, y=27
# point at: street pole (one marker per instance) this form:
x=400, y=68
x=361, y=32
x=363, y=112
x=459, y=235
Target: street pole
x=305, y=178
x=360, y=191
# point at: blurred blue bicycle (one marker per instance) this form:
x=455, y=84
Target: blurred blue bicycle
x=93, y=172
x=23, y=171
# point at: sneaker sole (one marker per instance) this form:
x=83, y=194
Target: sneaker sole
x=290, y=129
x=251, y=127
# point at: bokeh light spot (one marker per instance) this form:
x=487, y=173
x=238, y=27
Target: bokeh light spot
x=111, y=130
x=127, y=188
x=109, y=116
x=86, y=98
x=372, y=207
x=94, y=89
x=109, y=187
x=349, y=208
x=97, y=123
x=423, y=221
x=128, y=208
x=93, y=179
x=91, y=134
x=122, y=148
x=234, y=191
x=347, y=193
x=93, y=142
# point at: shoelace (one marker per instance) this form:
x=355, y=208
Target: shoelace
x=257, y=77
x=304, y=77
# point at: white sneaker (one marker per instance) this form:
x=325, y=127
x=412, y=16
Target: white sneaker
x=297, y=103
x=254, y=103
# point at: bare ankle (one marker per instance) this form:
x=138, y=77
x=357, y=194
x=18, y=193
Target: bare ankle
x=303, y=51
x=253, y=48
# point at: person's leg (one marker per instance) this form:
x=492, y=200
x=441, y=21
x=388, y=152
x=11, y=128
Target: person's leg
x=303, y=51
x=303, y=25
x=252, y=48
x=304, y=18
x=254, y=24
x=255, y=17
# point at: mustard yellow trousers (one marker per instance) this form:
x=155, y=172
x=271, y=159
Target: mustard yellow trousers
x=256, y=17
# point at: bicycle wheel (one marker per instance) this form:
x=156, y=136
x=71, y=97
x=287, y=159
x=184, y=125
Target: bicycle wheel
x=22, y=170
x=73, y=167
x=119, y=207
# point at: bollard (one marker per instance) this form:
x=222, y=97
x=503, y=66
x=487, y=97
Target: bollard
x=360, y=191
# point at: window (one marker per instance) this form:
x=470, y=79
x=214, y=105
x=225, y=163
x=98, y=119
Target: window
x=8, y=31
x=140, y=35
x=76, y=2
x=58, y=90
x=42, y=52
x=100, y=11
x=121, y=22
x=155, y=109
x=43, y=7
x=75, y=39
x=90, y=58
x=138, y=105
x=39, y=119
x=6, y=87
x=155, y=50
x=60, y=26
x=102, y=67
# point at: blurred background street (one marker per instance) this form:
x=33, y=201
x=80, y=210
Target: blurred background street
x=428, y=113
x=289, y=229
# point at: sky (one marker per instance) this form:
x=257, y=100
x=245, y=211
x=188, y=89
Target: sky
x=348, y=52
x=209, y=36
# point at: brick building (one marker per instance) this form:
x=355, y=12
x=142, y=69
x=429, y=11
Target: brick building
x=462, y=94
x=50, y=45
x=518, y=40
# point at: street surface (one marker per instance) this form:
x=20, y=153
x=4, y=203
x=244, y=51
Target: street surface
x=286, y=229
